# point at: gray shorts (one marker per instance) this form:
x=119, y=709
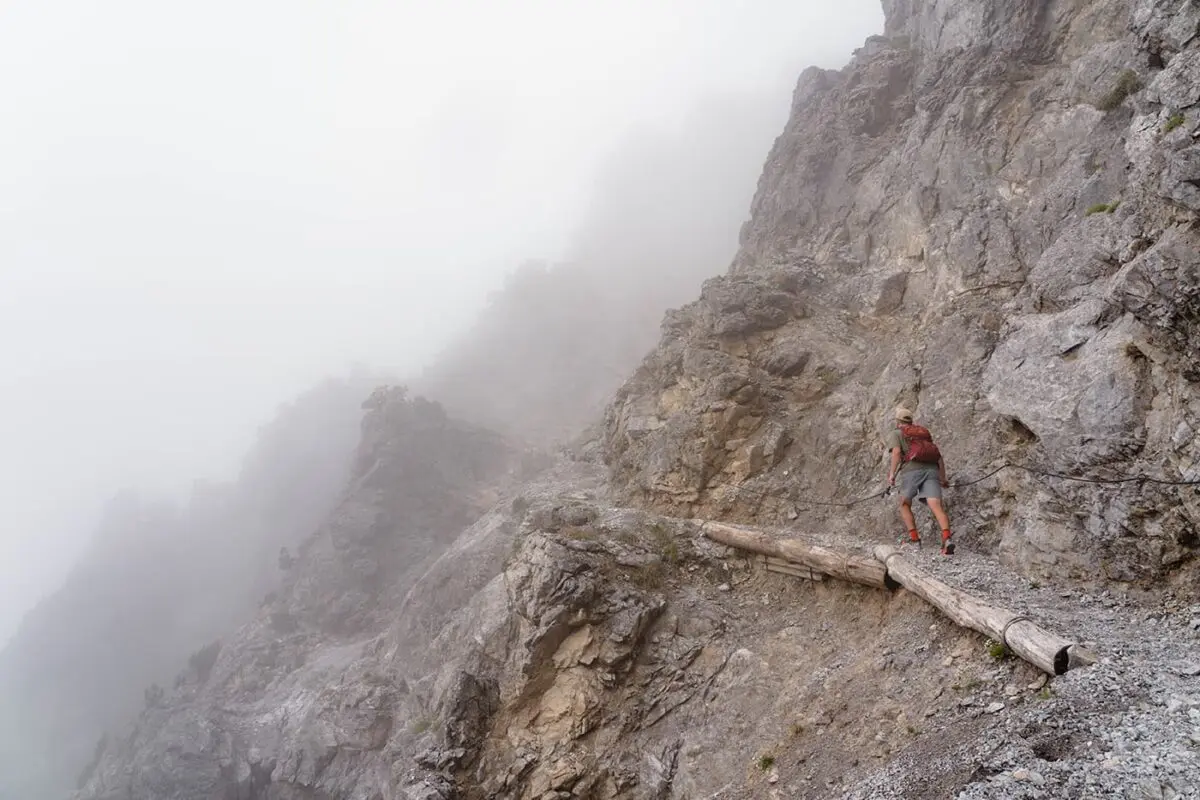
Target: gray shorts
x=920, y=480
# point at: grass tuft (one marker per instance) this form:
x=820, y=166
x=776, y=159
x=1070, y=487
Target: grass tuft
x=420, y=725
x=1174, y=122
x=650, y=577
x=1127, y=83
x=665, y=542
x=1103, y=208
x=765, y=762
x=579, y=534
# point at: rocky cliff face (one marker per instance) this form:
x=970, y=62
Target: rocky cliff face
x=927, y=231
x=562, y=648
x=261, y=700
x=558, y=648
x=989, y=216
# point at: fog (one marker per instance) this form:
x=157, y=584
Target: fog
x=208, y=207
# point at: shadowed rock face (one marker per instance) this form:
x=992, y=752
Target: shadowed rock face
x=986, y=216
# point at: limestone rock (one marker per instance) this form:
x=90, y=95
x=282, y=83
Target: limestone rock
x=1181, y=180
x=973, y=230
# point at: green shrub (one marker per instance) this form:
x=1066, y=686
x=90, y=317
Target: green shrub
x=1127, y=83
x=766, y=762
x=998, y=651
x=1174, y=122
x=1103, y=208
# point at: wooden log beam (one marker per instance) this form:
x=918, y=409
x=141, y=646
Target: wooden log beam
x=1047, y=651
x=782, y=567
x=794, y=570
x=835, y=563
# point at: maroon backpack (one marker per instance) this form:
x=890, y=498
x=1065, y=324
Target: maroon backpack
x=920, y=445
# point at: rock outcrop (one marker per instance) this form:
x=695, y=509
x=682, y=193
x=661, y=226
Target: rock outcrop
x=300, y=695
x=985, y=216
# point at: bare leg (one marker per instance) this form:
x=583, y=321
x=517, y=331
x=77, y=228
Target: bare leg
x=935, y=505
x=939, y=511
x=906, y=514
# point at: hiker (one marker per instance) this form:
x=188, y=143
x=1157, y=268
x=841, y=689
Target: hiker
x=916, y=460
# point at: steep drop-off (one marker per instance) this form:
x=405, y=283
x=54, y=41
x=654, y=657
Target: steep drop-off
x=557, y=340
x=928, y=230
x=157, y=582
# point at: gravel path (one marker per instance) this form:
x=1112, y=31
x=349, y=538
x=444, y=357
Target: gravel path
x=1132, y=719
x=1126, y=727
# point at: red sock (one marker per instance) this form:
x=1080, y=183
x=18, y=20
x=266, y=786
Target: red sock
x=914, y=536
x=946, y=534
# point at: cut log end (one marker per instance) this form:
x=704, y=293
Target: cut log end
x=1047, y=651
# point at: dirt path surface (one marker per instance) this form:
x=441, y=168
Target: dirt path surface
x=1127, y=726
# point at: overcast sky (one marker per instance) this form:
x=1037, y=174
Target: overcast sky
x=204, y=207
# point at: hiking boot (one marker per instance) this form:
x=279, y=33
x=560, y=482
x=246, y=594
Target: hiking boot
x=947, y=544
x=912, y=538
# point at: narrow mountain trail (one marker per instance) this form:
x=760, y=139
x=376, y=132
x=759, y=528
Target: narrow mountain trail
x=1126, y=726
x=989, y=217
x=1132, y=718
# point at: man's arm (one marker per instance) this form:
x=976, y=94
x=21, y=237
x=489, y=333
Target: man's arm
x=942, y=472
x=895, y=465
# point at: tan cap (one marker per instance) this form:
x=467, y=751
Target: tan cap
x=903, y=414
